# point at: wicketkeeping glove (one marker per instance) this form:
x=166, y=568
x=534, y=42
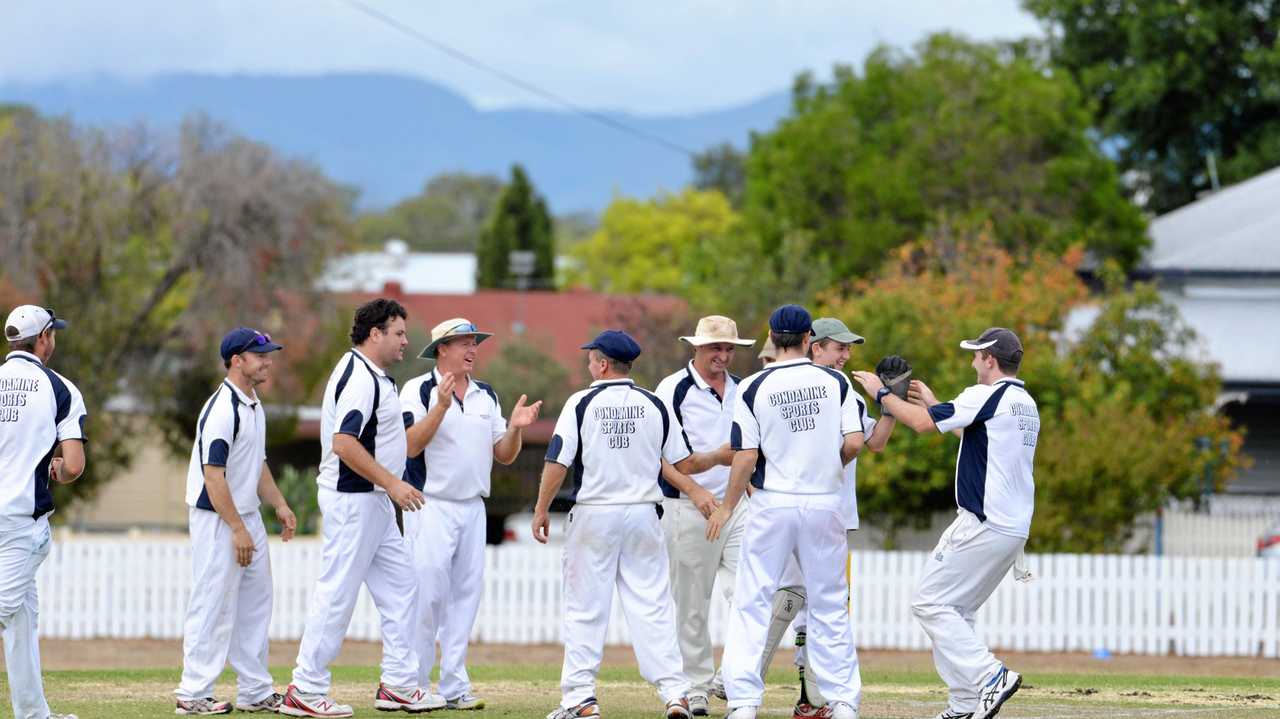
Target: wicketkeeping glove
x=895, y=373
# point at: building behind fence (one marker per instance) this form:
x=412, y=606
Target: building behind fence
x=1202, y=606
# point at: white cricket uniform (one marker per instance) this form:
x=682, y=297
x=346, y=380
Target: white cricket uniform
x=362, y=544
x=696, y=563
x=995, y=495
x=796, y=414
x=230, y=607
x=39, y=409
x=613, y=436
x=447, y=536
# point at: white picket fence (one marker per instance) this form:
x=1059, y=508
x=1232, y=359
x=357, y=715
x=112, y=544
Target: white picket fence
x=121, y=588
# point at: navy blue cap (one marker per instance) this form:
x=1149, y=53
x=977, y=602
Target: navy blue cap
x=615, y=344
x=243, y=339
x=790, y=319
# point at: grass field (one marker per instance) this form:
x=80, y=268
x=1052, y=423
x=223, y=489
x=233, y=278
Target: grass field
x=530, y=690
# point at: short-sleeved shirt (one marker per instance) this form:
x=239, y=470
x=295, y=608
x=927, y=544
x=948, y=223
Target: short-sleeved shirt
x=994, y=467
x=39, y=408
x=849, y=490
x=796, y=414
x=706, y=418
x=362, y=401
x=231, y=432
x=613, y=436
x=458, y=460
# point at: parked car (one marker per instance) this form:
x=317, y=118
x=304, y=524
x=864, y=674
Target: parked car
x=1269, y=543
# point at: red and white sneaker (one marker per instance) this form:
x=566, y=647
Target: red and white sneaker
x=409, y=699
x=678, y=709
x=805, y=710
x=302, y=704
x=202, y=707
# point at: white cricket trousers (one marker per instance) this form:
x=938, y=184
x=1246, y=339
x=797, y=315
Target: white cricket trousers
x=22, y=550
x=696, y=564
x=446, y=539
x=362, y=545
x=229, y=612
x=811, y=527
x=617, y=545
x=961, y=572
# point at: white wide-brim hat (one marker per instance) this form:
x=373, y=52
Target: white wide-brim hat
x=716, y=328
x=447, y=330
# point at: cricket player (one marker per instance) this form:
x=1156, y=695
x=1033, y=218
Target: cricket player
x=796, y=425
x=42, y=439
x=363, y=451
x=701, y=396
x=829, y=346
x=616, y=435
x=768, y=353
x=998, y=425
x=230, y=608
x=457, y=433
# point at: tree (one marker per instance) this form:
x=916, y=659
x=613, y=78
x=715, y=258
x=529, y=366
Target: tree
x=153, y=247
x=722, y=167
x=447, y=216
x=520, y=221
x=964, y=129
x=526, y=366
x=1121, y=406
x=1175, y=81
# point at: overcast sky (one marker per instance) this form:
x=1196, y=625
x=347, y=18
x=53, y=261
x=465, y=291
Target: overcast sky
x=645, y=57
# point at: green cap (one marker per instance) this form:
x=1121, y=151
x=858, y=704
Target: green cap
x=830, y=328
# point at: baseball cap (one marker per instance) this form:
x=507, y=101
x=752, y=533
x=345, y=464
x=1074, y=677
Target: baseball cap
x=29, y=320
x=456, y=327
x=999, y=342
x=244, y=339
x=830, y=328
x=790, y=319
x=615, y=344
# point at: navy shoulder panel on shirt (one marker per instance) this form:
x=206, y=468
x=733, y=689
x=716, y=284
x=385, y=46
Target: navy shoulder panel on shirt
x=61, y=395
x=426, y=390
x=685, y=384
x=841, y=380
x=488, y=388
x=346, y=376
x=749, y=394
x=662, y=411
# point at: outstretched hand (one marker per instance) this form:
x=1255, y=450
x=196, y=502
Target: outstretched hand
x=523, y=416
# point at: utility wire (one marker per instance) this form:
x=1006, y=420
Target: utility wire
x=525, y=85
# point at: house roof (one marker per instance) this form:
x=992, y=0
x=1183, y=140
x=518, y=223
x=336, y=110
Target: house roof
x=1232, y=231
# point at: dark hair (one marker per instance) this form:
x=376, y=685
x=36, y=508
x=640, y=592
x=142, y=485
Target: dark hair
x=787, y=340
x=375, y=313
x=1007, y=366
x=617, y=366
x=26, y=344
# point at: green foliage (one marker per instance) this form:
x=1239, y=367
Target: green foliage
x=1175, y=80
x=447, y=216
x=520, y=221
x=968, y=130
x=722, y=167
x=1121, y=406
x=153, y=249
x=526, y=366
x=299, y=489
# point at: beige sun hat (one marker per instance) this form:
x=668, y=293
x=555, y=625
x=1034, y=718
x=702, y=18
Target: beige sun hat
x=768, y=352
x=716, y=328
x=456, y=327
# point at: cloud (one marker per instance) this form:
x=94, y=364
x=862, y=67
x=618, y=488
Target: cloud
x=614, y=54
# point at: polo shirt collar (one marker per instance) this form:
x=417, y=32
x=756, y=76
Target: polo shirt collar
x=19, y=354
x=251, y=401
x=372, y=365
x=609, y=382
x=1010, y=380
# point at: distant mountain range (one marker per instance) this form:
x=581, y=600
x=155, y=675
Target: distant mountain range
x=387, y=134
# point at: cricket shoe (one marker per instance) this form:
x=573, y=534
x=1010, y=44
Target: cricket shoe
x=56, y=715
x=741, y=713
x=678, y=709
x=948, y=714
x=699, y=706
x=466, y=702
x=842, y=710
x=414, y=700
x=996, y=692
x=202, y=707
x=717, y=687
x=304, y=704
x=588, y=708
x=270, y=704
x=805, y=710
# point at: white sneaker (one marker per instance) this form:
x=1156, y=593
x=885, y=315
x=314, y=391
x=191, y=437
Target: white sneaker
x=948, y=714
x=270, y=704
x=206, y=706
x=699, y=706
x=717, y=687
x=409, y=699
x=56, y=715
x=996, y=692
x=843, y=710
x=742, y=713
x=302, y=704
x=466, y=702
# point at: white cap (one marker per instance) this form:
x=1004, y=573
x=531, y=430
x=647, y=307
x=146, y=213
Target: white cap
x=28, y=321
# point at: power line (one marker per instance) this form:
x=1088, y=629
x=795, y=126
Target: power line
x=525, y=85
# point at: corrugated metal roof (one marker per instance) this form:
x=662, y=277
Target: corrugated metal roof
x=1233, y=230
